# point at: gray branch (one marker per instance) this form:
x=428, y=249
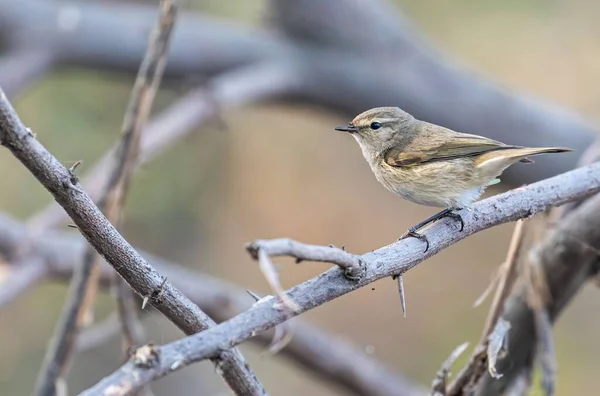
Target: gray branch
x=384, y=262
x=107, y=241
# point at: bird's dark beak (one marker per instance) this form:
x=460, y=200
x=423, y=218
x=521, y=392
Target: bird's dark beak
x=347, y=128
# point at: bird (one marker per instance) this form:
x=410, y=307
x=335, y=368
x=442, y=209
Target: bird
x=430, y=165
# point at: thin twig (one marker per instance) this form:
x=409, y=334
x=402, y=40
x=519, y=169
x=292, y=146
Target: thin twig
x=261, y=250
x=350, y=264
x=546, y=353
x=232, y=88
x=127, y=309
x=385, y=262
x=82, y=296
x=439, y=383
x=136, y=116
x=507, y=279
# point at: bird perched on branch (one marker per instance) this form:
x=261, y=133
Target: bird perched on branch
x=431, y=165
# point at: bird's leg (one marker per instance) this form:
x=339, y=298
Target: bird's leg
x=412, y=231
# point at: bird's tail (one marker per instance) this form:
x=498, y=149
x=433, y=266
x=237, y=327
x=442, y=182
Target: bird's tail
x=501, y=159
x=525, y=152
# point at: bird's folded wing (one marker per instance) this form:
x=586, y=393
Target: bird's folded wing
x=457, y=146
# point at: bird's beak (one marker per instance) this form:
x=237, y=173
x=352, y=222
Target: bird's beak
x=347, y=128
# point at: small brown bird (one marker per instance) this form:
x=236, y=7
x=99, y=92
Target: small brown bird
x=431, y=165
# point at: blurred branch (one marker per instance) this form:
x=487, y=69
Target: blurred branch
x=20, y=66
x=564, y=260
x=17, y=279
x=382, y=64
x=567, y=264
x=233, y=88
x=84, y=284
x=98, y=231
x=477, y=362
x=384, y=262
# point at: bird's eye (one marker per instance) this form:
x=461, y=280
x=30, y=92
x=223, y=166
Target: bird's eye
x=375, y=125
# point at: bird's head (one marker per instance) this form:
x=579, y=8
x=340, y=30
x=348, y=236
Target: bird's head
x=377, y=129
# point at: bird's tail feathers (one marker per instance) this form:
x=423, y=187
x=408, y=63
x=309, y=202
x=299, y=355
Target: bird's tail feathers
x=506, y=157
x=540, y=150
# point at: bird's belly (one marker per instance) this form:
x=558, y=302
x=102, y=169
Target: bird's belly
x=431, y=186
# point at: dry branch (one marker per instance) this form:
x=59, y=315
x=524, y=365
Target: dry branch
x=107, y=241
x=384, y=262
x=325, y=356
x=79, y=305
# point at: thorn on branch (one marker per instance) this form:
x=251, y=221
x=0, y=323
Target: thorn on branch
x=401, y=292
x=255, y=296
x=156, y=295
x=74, y=167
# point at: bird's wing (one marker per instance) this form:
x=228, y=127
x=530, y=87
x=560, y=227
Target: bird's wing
x=448, y=146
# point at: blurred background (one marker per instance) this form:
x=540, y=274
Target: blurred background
x=280, y=170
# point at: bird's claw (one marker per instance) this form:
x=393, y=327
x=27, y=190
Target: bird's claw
x=458, y=217
x=414, y=234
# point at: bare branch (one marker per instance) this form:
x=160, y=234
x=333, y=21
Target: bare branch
x=107, y=241
x=384, y=262
x=351, y=265
x=261, y=250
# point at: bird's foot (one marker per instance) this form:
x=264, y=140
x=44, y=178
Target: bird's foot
x=412, y=232
x=458, y=217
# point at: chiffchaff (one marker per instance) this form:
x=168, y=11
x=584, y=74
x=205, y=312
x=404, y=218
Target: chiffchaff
x=431, y=165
